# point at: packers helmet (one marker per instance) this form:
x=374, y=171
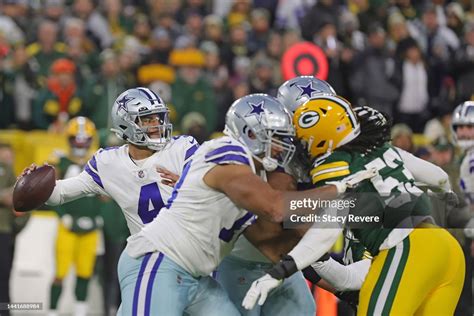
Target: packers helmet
x=325, y=123
x=80, y=132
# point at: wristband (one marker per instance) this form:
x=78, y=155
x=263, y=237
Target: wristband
x=283, y=269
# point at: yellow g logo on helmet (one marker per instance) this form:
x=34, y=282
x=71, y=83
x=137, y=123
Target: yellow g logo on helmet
x=324, y=123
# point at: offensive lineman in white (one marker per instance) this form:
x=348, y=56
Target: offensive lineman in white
x=130, y=174
x=207, y=211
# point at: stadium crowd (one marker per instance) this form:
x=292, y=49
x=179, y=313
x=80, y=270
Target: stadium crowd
x=65, y=58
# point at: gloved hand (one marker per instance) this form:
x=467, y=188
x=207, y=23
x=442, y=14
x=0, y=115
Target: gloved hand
x=353, y=180
x=259, y=291
x=469, y=229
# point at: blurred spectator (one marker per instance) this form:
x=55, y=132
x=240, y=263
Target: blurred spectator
x=242, y=68
x=237, y=46
x=402, y=137
x=290, y=13
x=60, y=99
x=261, y=79
x=197, y=7
x=214, y=29
x=191, y=92
x=45, y=51
x=214, y=71
x=194, y=124
x=323, y=12
x=272, y=52
x=100, y=92
x=349, y=31
x=438, y=43
x=96, y=25
x=442, y=155
x=142, y=34
x=455, y=18
x=239, y=13
x=464, y=65
x=326, y=38
x=161, y=46
x=119, y=23
x=193, y=26
x=371, y=81
x=439, y=126
x=129, y=60
x=80, y=48
x=413, y=82
x=55, y=11
x=260, y=31
x=10, y=225
x=8, y=25
x=19, y=11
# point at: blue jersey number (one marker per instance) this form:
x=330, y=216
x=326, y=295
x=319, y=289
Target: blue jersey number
x=146, y=210
x=227, y=234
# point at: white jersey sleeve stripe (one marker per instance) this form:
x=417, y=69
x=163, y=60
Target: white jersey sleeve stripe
x=91, y=169
x=190, y=151
x=230, y=159
x=223, y=150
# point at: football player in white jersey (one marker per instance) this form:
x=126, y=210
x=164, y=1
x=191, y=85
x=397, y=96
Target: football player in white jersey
x=214, y=200
x=245, y=263
x=130, y=174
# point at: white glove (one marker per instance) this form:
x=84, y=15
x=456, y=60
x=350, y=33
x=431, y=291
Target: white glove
x=260, y=288
x=469, y=229
x=353, y=180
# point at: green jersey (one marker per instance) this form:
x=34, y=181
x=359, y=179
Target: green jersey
x=82, y=215
x=391, y=196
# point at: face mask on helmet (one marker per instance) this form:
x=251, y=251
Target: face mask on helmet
x=80, y=132
x=463, y=125
x=264, y=126
x=141, y=118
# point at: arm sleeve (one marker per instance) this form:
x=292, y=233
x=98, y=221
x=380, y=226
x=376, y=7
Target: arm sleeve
x=425, y=171
x=74, y=188
x=343, y=278
x=315, y=243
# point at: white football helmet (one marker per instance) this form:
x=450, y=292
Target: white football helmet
x=130, y=107
x=259, y=121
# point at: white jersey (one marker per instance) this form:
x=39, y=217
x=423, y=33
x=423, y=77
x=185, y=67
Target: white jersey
x=136, y=187
x=199, y=225
x=467, y=176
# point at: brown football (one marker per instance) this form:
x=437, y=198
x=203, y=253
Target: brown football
x=33, y=190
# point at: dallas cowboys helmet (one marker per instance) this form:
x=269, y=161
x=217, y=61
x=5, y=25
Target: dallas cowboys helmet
x=297, y=91
x=463, y=115
x=259, y=121
x=130, y=107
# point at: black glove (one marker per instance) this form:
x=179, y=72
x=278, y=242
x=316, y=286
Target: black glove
x=350, y=297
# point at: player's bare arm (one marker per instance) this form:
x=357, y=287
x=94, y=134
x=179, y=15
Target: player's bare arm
x=250, y=192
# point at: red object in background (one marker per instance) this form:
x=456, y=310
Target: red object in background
x=4, y=49
x=304, y=59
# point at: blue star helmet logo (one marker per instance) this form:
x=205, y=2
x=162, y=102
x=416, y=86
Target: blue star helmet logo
x=123, y=102
x=256, y=109
x=307, y=90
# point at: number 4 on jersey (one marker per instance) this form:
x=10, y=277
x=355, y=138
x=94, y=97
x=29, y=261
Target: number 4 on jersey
x=150, y=202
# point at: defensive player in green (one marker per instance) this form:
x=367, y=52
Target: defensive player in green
x=79, y=224
x=414, y=271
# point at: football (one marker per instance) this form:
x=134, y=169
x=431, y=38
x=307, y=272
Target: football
x=33, y=190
